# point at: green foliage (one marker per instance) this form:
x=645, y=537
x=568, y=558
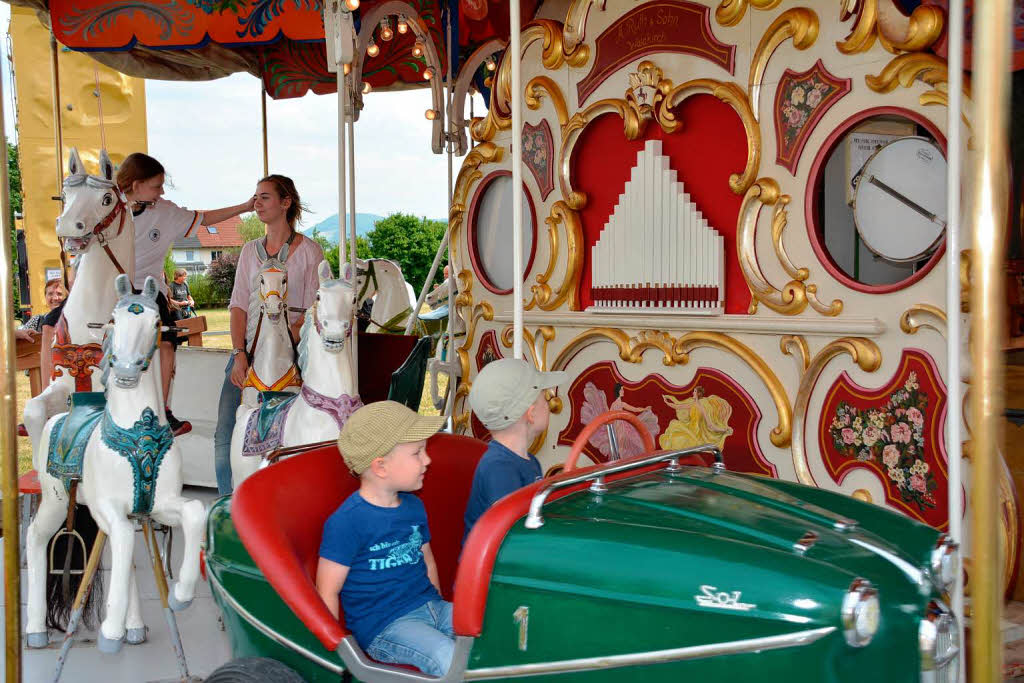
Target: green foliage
x=410, y=241
x=331, y=249
x=251, y=228
x=169, y=266
x=14, y=185
x=205, y=293
x=222, y=274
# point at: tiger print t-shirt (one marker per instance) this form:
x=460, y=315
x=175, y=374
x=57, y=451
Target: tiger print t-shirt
x=383, y=549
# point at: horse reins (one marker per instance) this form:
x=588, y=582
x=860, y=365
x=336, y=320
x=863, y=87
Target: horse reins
x=118, y=210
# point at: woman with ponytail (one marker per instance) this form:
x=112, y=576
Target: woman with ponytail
x=278, y=205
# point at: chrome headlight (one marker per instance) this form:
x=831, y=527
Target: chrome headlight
x=938, y=639
x=860, y=613
x=943, y=563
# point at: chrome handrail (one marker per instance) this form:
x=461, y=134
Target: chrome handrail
x=534, y=520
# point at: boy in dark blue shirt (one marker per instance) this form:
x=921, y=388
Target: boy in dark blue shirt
x=375, y=554
x=508, y=398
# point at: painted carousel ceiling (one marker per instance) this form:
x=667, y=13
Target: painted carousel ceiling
x=279, y=41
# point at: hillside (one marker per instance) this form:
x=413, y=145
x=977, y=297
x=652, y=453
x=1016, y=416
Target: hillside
x=329, y=226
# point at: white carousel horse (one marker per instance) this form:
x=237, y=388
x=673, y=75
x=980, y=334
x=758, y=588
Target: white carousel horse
x=328, y=394
x=130, y=468
x=272, y=366
x=395, y=297
x=97, y=226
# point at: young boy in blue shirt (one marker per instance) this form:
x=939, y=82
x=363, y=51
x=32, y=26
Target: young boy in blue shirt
x=508, y=398
x=375, y=553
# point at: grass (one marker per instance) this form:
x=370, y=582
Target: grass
x=217, y=320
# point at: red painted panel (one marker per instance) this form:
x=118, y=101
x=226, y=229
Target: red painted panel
x=710, y=147
x=895, y=432
x=668, y=412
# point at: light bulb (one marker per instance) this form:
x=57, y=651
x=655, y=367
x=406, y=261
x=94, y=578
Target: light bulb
x=428, y=73
x=352, y=5
x=491, y=66
x=366, y=87
x=403, y=25
x=431, y=114
x=386, y=33
x=372, y=49
x=347, y=69
x=417, y=49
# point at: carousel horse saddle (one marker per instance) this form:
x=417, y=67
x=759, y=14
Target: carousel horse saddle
x=70, y=436
x=265, y=428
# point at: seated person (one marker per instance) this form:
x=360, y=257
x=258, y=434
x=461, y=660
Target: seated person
x=375, y=552
x=508, y=398
x=54, y=293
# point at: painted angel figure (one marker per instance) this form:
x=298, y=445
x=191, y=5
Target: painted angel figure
x=595, y=402
x=698, y=421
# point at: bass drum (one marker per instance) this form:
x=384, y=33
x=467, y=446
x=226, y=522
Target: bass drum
x=899, y=205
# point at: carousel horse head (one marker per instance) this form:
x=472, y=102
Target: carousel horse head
x=134, y=335
x=331, y=314
x=376, y=275
x=272, y=286
x=93, y=205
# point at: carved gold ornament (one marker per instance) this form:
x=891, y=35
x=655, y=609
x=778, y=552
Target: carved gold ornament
x=864, y=352
x=576, y=24
x=896, y=32
x=568, y=290
x=791, y=344
x=862, y=495
x=800, y=24
x=795, y=296
x=471, y=313
x=646, y=90
x=923, y=315
x=676, y=351
x=535, y=90
x=731, y=12
x=925, y=67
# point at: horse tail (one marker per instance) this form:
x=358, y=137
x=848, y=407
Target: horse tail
x=58, y=605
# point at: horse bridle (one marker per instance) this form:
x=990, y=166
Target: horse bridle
x=120, y=209
x=259, y=322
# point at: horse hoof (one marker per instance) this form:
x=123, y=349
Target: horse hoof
x=37, y=640
x=175, y=604
x=109, y=646
x=135, y=636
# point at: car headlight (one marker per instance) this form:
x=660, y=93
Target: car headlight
x=860, y=613
x=943, y=563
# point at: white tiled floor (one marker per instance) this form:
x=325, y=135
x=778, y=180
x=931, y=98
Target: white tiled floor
x=206, y=646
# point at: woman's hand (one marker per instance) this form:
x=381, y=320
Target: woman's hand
x=25, y=335
x=240, y=370
x=250, y=203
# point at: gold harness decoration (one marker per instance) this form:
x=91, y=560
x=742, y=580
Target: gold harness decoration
x=288, y=379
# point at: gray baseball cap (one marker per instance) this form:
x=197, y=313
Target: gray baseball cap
x=505, y=388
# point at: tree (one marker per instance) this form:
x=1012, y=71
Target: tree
x=410, y=241
x=222, y=273
x=14, y=185
x=169, y=266
x=251, y=228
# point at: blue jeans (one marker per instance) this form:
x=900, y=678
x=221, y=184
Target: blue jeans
x=230, y=397
x=423, y=638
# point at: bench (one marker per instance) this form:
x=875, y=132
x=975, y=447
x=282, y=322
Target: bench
x=193, y=330
x=286, y=546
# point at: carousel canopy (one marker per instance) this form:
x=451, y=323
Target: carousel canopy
x=278, y=41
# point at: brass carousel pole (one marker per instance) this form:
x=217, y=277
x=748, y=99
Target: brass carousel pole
x=263, y=110
x=991, y=68
x=8, y=443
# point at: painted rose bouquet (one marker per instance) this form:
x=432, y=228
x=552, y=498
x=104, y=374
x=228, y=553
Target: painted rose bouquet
x=893, y=438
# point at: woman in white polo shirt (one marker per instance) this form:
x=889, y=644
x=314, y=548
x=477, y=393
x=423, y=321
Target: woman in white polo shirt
x=279, y=207
x=158, y=223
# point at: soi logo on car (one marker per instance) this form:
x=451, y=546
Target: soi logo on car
x=722, y=600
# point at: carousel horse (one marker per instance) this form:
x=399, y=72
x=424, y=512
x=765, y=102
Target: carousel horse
x=122, y=461
x=327, y=396
x=395, y=298
x=97, y=227
x=272, y=354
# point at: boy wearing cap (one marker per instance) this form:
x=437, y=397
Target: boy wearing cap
x=508, y=398
x=375, y=553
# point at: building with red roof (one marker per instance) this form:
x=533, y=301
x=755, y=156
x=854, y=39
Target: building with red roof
x=195, y=252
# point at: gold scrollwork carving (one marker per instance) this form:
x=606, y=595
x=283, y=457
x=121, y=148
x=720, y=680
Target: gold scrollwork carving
x=733, y=95
x=864, y=352
x=469, y=174
x=731, y=12
x=904, y=69
x=862, y=494
x=471, y=313
x=791, y=344
x=896, y=32
x=676, y=351
x=543, y=297
x=534, y=94
x=923, y=315
x=795, y=296
x=576, y=24
x=800, y=24
x=633, y=127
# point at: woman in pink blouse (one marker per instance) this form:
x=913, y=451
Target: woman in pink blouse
x=278, y=205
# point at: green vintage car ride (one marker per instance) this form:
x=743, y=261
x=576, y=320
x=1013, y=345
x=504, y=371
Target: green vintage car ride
x=657, y=567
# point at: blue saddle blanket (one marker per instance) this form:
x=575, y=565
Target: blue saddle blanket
x=70, y=436
x=265, y=427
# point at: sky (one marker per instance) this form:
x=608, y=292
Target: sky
x=216, y=159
